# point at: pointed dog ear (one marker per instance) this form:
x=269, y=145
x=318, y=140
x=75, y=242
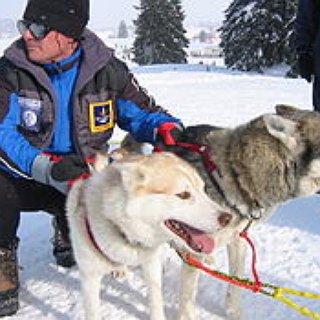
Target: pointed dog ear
x=132, y=173
x=285, y=110
x=283, y=129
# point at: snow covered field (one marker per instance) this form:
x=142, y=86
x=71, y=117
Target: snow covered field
x=287, y=245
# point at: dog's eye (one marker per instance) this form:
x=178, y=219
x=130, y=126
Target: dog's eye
x=184, y=195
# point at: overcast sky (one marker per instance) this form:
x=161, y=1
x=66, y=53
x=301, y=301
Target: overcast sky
x=108, y=14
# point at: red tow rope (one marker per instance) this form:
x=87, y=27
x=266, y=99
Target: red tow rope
x=254, y=271
x=255, y=285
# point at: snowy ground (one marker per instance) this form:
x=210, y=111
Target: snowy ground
x=288, y=245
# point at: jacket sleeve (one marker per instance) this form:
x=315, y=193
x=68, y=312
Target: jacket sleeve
x=137, y=111
x=13, y=146
x=306, y=25
x=142, y=124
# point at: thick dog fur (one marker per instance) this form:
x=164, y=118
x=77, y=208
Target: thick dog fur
x=125, y=212
x=268, y=161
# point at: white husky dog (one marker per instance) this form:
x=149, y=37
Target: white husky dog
x=124, y=213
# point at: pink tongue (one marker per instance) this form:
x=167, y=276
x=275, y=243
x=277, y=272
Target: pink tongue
x=199, y=241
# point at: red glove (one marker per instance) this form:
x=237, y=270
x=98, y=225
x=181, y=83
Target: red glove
x=168, y=134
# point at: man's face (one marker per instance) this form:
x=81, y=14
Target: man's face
x=52, y=48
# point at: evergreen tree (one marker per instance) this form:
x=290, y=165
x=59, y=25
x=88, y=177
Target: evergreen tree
x=256, y=33
x=160, y=36
x=290, y=57
x=123, y=30
x=179, y=32
x=203, y=36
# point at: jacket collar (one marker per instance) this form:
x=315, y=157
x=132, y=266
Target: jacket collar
x=64, y=65
x=95, y=56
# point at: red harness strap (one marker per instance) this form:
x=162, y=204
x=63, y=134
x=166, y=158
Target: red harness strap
x=81, y=177
x=255, y=286
x=90, y=234
x=202, y=149
x=94, y=241
x=86, y=220
x=254, y=271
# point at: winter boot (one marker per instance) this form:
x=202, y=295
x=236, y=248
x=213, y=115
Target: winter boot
x=62, y=249
x=9, y=280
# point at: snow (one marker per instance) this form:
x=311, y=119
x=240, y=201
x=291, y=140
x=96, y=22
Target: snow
x=287, y=245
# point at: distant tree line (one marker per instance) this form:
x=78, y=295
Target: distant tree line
x=255, y=34
x=258, y=34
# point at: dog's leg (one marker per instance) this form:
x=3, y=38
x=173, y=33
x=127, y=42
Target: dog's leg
x=188, y=290
x=90, y=283
x=152, y=269
x=236, y=254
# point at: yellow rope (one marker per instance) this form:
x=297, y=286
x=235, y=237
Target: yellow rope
x=278, y=294
x=263, y=288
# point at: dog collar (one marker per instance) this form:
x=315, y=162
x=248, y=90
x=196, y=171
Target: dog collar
x=90, y=233
x=214, y=175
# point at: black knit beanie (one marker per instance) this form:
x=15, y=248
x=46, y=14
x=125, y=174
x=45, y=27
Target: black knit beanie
x=68, y=17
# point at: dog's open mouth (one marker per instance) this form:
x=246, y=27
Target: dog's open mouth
x=196, y=239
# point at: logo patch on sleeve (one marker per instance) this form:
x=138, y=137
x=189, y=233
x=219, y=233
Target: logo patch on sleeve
x=101, y=116
x=30, y=113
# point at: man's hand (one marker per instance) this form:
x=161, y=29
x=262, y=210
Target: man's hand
x=167, y=136
x=59, y=172
x=305, y=66
x=69, y=168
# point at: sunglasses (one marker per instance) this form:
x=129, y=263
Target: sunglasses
x=37, y=30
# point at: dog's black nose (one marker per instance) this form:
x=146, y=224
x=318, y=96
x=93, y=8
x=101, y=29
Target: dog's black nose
x=224, y=219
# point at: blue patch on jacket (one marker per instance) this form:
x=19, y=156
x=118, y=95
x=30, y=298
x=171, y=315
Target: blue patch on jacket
x=12, y=142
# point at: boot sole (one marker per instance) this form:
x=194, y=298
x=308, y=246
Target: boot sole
x=64, y=259
x=9, y=303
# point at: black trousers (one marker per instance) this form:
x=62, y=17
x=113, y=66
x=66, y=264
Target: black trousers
x=316, y=93
x=18, y=194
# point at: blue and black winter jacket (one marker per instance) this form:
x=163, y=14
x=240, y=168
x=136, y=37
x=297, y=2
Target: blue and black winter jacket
x=64, y=110
x=307, y=42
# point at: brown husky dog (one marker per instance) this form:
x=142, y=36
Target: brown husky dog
x=250, y=170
